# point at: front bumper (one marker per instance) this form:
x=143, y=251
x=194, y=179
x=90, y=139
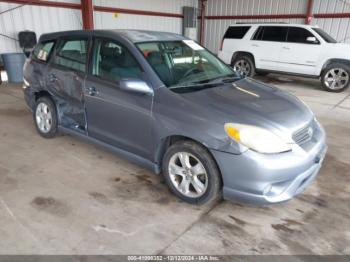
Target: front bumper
x=270, y=178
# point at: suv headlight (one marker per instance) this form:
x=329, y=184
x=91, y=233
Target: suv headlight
x=256, y=138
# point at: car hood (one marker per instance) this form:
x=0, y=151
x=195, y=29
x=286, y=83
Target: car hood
x=251, y=102
x=340, y=50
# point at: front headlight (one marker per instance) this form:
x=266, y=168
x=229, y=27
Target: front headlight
x=256, y=138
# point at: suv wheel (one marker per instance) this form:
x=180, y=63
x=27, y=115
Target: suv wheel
x=45, y=117
x=191, y=173
x=244, y=66
x=336, y=77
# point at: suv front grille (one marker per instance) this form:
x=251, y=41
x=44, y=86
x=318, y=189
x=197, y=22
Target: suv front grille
x=304, y=134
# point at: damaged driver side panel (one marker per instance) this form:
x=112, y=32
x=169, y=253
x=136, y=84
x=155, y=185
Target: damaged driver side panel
x=65, y=80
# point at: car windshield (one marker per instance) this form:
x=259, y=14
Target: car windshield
x=326, y=37
x=185, y=64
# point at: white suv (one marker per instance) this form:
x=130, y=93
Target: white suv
x=285, y=48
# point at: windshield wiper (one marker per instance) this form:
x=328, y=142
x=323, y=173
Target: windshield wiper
x=220, y=80
x=194, y=84
x=224, y=79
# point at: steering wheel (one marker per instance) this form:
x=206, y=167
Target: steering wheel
x=191, y=71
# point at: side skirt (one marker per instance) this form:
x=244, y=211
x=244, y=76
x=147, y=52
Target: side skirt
x=286, y=73
x=127, y=155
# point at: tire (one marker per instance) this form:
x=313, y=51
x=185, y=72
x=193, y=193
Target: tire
x=244, y=65
x=336, y=77
x=210, y=181
x=45, y=117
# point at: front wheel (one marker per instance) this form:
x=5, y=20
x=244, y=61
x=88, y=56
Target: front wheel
x=336, y=77
x=191, y=173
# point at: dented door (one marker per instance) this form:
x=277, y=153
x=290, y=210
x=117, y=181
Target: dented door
x=65, y=79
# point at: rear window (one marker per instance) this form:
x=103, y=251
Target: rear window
x=43, y=51
x=236, y=32
x=271, y=33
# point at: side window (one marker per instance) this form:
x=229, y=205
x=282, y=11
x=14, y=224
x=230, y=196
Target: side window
x=113, y=62
x=299, y=35
x=43, y=51
x=236, y=32
x=72, y=54
x=274, y=33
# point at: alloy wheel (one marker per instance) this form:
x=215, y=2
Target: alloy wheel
x=43, y=117
x=242, y=67
x=188, y=174
x=336, y=79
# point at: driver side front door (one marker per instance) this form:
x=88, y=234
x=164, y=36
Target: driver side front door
x=298, y=55
x=117, y=117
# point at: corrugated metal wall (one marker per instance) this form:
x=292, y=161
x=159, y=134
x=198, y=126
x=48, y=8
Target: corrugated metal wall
x=49, y=19
x=339, y=28
x=108, y=20
x=36, y=18
x=214, y=29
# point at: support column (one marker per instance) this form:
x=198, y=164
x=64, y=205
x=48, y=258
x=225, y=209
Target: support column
x=309, y=14
x=201, y=36
x=87, y=13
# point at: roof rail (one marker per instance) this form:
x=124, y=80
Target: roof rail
x=247, y=23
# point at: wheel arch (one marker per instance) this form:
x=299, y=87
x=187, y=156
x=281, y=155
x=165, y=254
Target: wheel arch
x=42, y=93
x=242, y=53
x=172, y=139
x=334, y=60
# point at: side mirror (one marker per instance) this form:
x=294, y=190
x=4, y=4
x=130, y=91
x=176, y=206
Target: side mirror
x=136, y=86
x=312, y=39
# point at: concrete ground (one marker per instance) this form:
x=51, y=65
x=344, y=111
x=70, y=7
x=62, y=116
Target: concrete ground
x=63, y=196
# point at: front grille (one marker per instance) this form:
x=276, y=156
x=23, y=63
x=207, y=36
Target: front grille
x=304, y=134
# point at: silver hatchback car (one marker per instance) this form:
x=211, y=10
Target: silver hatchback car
x=165, y=102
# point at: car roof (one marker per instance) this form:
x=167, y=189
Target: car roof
x=274, y=24
x=134, y=36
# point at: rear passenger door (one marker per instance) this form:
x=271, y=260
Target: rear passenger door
x=299, y=54
x=266, y=45
x=120, y=118
x=65, y=79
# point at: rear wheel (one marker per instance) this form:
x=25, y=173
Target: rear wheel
x=336, y=77
x=45, y=117
x=244, y=65
x=191, y=173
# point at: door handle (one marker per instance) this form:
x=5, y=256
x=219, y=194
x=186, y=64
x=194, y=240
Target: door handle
x=91, y=91
x=286, y=48
x=255, y=45
x=52, y=77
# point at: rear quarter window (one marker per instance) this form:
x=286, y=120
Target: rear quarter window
x=236, y=32
x=43, y=51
